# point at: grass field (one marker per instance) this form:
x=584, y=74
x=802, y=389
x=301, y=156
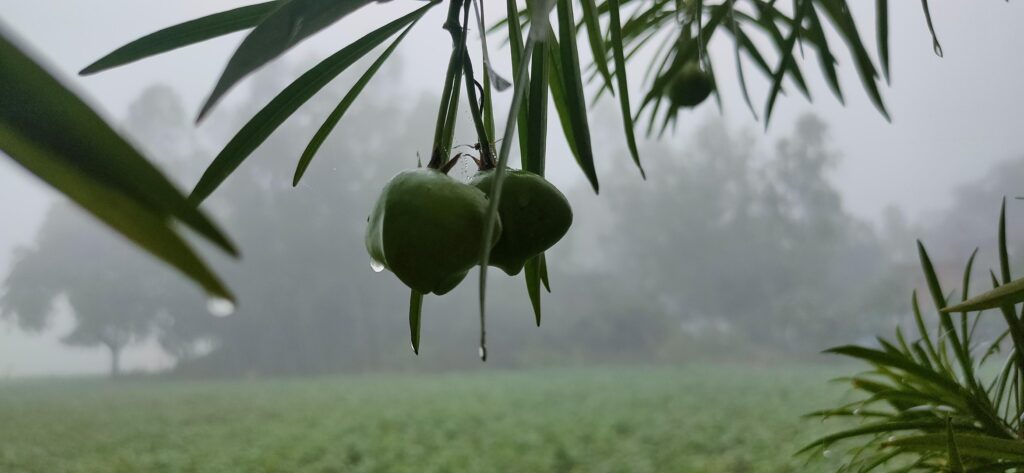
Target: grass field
x=695, y=418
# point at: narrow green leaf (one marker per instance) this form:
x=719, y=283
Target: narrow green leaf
x=1005, y=295
x=786, y=52
x=622, y=83
x=535, y=158
x=892, y=361
x=969, y=445
x=576, y=103
x=931, y=28
x=532, y=276
x=415, y=311
x=95, y=167
x=558, y=95
x=956, y=464
x=592, y=20
x=184, y=34
x=515, y=37
x=739, y=61
x=538, y=33
x=1004, y=253
x=825, y=58
x=339, y=111
x=872, y=429
x=289, y=24
x=260, y=126
x=847, y=28
x=882, y=29
x=544, y=272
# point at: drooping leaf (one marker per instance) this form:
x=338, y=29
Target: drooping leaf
x=572, y=83
x=969, y=445
x=515, y=41
x=184, y=34
x=415, y=312
x=532, y=275
x=931, y=28
x=289, y=24
x=596, y=39
x=534, y=159
x=339, y=111
x=260, y=126
x=882, y=30
x=538, y=33
x=615, y=29
x=96, y=168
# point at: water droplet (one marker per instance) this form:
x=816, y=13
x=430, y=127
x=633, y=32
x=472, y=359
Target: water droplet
x=827, y=453
x=483, y=353
x=892, y=438
x=376, y=266
x=220, y=307
x=856, y=411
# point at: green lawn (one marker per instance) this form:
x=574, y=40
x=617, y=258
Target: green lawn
x=696, y=418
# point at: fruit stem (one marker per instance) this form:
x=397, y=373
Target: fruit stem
x=450, y=95
x=486, y=153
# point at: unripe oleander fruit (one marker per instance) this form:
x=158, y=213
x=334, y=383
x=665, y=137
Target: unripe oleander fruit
x=690, y=86
x=426, y=228
x=534, y=216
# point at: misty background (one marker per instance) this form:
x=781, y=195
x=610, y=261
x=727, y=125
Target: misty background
x=741, y=243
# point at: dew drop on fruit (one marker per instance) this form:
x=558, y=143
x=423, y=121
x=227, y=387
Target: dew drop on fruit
x=220, y=307
x=376, y=266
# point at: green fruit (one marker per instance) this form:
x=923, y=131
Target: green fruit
x=690, y=86
x=426, y=228
x=534, y=216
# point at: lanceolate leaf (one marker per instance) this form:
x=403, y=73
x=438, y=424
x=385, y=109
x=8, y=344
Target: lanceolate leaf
x=339, y=111
x=515, y=40
x=576, y=104
x=590, y=18
x=558, y=95
x=184, y=34
x=784, y=63
x=415, y=312
x=1005, y=295
x=256, y=131
x=969, y=445
x=538, y=33
x=96, y=168
x=615, y=28
x=288, y=25
x=534, y=159
x=882, y=29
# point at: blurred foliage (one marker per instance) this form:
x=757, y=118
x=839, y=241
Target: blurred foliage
x=945, y=398
x=715, y=418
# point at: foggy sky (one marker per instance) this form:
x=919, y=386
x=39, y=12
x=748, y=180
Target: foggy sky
x=952, y=117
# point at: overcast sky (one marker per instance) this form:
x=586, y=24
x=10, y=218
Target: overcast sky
x=952, y=117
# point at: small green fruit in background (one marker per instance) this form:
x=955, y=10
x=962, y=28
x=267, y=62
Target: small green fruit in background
x=426, y=228
x=534, y=216
x=690, y=86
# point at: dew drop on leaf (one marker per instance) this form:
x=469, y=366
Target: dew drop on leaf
x=827, y=453
x=376, y=266
x=220, y=307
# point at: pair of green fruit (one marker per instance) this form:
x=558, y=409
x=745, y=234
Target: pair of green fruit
x=426, y=227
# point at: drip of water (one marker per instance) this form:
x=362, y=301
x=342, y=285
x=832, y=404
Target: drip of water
x=220, y=307
x=376, y=266
x=483, y=353
x=827, y=453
